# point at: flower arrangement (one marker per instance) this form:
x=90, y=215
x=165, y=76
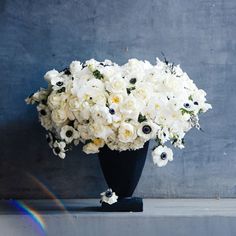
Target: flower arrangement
x=102, y=103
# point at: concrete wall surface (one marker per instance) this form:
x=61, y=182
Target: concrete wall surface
x=36, y=36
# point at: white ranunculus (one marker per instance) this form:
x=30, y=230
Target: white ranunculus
x=101, y=114
x=137, y=143
x=101, y=131
x=90, y=148
x=161, y=155
x=130, y=107
x=127, y=133
x=115, y=99
x=142, y=91
x=154, y=106
x=85, y=111
x=56, y=100
x=84, y=132
x=59, y=116
x=74, y=103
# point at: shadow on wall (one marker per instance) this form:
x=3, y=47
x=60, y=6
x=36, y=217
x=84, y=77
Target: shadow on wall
x=29, y=169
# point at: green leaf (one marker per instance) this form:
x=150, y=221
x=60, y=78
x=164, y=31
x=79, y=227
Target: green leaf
x=190, y=98
x=183, y=111
x=141, y=118
x=98, y=74
x=130, y=89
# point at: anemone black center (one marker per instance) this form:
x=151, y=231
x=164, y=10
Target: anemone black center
x=44, y=102
x=67, y=71
x=43, y=112
x=112, y=111
x=69, y=133
x=147, y=129
x=59, y=83
x=57, y=150
x=187, y=105
x=63, y=89
x=48, y=139
x=163, y=156
x=108, y=194
x=133, y=80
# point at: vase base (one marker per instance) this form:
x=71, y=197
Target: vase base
x=133, y=204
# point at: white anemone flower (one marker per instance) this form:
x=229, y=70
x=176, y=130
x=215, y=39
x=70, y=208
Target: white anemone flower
x=50, y=75
x=161, y=155
x=59, y=82
x=68, y=133
x=163, y=135
x=109, y=197
x=59, y=149
x=147, y=130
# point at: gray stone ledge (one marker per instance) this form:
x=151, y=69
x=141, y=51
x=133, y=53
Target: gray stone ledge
x=160, y=217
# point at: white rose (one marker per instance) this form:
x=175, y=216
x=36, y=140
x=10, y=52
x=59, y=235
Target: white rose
x=127, y=132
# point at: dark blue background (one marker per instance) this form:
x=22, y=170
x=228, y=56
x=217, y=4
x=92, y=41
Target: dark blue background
x=36, y=36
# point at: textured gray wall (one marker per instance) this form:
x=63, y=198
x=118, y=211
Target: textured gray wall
x=36, y=36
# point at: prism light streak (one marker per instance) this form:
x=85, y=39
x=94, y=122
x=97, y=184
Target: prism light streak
x=46, y=190
x=31, y=213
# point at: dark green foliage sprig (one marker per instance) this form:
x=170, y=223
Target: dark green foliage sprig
x=141, y=118
x=130, y=89
x=98, y=74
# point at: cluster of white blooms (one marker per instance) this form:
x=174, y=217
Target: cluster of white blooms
x=102, y=103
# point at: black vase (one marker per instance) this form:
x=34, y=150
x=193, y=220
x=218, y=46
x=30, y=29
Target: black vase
x=122, y=171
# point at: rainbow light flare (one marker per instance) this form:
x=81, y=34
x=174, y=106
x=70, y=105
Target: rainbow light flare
x=46, y=190
x=32, y=214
